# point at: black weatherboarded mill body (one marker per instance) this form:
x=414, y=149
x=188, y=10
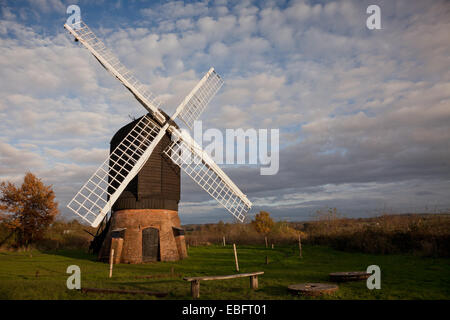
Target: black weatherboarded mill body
x=144, y=224
x=157, y=185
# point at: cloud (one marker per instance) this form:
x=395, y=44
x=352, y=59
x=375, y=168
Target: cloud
x=47, y=6
x=364, y=115
x=79, y=155
x=13, y=161
x=177, y=9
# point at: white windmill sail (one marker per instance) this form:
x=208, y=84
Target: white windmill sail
x=82, y=33
x=195, y=103
x=197, y=164
x=98, y=194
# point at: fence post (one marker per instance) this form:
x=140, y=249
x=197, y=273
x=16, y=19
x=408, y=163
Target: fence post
x=223, y=238
x=111, y=261
x=235, y=257
x=300, y=245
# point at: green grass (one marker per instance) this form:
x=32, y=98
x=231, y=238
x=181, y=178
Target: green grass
x=402, y=276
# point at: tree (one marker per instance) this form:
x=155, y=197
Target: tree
x=30, y=208
x=263, y=223
x=220, y=227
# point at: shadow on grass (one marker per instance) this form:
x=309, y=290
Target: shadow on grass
x=276, y=291
x=173, y=292
x=142, y=285
x=73, y=254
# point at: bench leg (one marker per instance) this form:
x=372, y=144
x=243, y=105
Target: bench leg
x=195, y=289
x=254, y=282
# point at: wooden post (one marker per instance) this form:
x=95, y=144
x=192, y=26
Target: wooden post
x=235, y=257
x=300, y=245
x=117, y=246
x=223, y=238
x=272, y=245
x=254, y=282
x=195, y=289
x=111, y=260
x=265, y=238
x=267, y=260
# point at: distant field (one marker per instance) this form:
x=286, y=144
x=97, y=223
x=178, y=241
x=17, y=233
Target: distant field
x=402, y=276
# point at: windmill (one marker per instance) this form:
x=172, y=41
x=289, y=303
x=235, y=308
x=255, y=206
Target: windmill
x=143, y=234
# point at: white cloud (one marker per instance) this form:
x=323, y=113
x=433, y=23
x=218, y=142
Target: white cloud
x=80, y=155
x=47, y=6
x=177, y=9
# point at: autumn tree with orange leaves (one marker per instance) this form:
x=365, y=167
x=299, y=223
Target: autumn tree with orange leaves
x=28, y=210
x=263, y=223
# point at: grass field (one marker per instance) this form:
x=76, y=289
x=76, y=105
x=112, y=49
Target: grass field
x=402, y=276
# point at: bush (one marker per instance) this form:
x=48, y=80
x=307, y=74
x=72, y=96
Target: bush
x=426, y=234
x=60, y=235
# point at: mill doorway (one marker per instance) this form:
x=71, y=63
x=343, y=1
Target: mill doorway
x=150, y=244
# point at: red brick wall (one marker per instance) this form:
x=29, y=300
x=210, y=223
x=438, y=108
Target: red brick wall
x=171, y=248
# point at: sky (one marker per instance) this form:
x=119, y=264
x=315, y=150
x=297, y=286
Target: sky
x=364, y=115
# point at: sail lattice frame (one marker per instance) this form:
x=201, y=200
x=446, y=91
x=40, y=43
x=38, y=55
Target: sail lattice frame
x=97, y=195
x=208, y=177
x=196, y=102
x=110, y=62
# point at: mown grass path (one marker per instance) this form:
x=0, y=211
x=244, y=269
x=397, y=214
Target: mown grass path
x=42, y=275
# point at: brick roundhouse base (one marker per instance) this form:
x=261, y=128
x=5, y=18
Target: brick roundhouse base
x=130, y=223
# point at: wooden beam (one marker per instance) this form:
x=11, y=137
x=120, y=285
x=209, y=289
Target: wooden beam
x=231, y=276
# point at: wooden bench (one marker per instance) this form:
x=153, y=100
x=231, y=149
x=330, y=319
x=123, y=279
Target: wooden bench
x=195, y=281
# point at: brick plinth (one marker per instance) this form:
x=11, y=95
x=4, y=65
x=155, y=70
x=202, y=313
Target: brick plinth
x=172, y=245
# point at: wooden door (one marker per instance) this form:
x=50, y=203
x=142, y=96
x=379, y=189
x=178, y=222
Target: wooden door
x=150, y=244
